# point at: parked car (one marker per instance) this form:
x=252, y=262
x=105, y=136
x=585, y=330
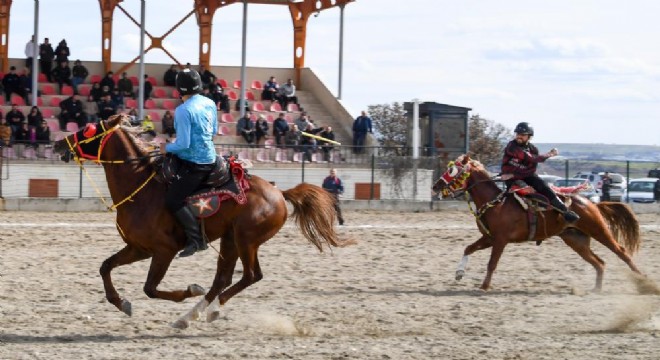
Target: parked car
x=654, y=173
x=644, y=190
x=590, y=193
x=616, y=189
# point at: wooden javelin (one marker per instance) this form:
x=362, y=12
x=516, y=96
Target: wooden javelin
x=320, y=138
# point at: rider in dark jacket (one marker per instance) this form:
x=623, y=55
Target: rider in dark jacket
x=520, y=161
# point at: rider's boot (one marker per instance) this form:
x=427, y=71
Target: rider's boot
x=569, y=216
x=195, y=241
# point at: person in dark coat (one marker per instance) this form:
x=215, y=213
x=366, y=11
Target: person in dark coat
x=361, y=126
x=11, y=83
x=62, y=74
x=62, y=53
x=71, y=110
x=46, y=56
x=15, y=118
x=169, y=78
x=108, y=81
x=280, y=128
x=245, y=128
x=261, y=128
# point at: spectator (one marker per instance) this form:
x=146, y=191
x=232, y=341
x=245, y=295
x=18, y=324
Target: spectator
x=238, y=105
x=327, y=147
x=35, y=117
x=361, y=126
x=71, y=110
x=25, y=83
x=29, y=53
x=107, y=107
x=5, y=132
x=62, y=74
x=280, y=128
x=43, y=133
x=15, y=118
x=170, y=76
x=168, y=124
x=287, y=94
x=302, y=121
x=125, y=86
x=95, y=93
x=108, y=81
x=148, y=126
x=292, y=138
x=207, y=76
x=26, y=136
x=271, y=89
x=133, y=115
x=148, y=87
x=79, y=73
x=46, y=55
x=261, y=128
x=207, y=94
x=607, y=185
x=11, y=84
x=245, y=128
x=221, y=100
x=117, y=99
x=62, y=53
x=334, y=186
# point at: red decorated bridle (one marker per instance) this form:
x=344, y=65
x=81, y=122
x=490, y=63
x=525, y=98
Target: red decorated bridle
x=90, y=134
x=455, y=178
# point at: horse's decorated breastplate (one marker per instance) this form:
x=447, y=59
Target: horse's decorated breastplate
x=206, y=202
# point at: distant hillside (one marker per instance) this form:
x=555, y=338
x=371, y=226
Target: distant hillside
x=605, y=151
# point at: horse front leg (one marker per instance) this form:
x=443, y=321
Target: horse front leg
x=127, y=255
x=495, y=254
x=483, y=243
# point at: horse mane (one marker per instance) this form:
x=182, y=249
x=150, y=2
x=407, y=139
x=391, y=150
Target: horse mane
x=143, y=147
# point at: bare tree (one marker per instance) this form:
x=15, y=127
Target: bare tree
x=390, y=123
x=487, y=139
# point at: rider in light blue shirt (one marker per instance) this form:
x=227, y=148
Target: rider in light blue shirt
x=195, y=122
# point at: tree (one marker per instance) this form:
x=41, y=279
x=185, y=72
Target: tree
x=390, y=123
x=487, y=139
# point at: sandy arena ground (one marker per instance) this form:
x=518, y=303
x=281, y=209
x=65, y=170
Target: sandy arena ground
x=392, y=296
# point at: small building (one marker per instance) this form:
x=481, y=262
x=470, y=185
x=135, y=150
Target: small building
x=443, y=129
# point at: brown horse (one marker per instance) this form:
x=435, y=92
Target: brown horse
x=150, y=231
x=501, y=220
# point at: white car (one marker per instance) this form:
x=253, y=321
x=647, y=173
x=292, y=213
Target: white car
x=644, y=190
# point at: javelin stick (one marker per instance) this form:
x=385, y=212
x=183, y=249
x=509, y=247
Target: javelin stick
x=320, y=138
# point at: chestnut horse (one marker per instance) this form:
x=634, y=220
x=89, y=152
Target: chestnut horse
x=151, y=231
x=501, y=220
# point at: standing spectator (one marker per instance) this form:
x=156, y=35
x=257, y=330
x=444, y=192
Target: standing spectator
x=62, y=53
x=71, y=110
x=148, y=87
x=168, y=124
x=15, y=118
x=79, y=73
x=207, y=76
x=334, y=186
x=261, y=128
x=5, y=132
x=361, y=126
x=280, y=128
x=271, y=89
x=245, y=128
x=35, y=117
x=62, y=74
x=169, y=78
x=148, y=126
x=46, y=55
x=43, y=133
x=125, y=86
x=287, y=94
x=108, y=81
x=327, y=147
x=11, y=84
x=607, y=185
x=29, y=53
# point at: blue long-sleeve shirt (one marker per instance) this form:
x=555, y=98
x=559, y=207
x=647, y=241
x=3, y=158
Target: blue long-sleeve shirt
x=333, y=185
x=196, y=122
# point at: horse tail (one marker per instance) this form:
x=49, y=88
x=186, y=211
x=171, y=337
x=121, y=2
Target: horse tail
x=623, y=224
x=314, y=213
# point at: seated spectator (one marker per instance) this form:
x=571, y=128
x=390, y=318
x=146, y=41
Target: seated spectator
x=118, y=99
x=293, y=138
x=148, y=88
x=43, y=133
x=133, y=116
x=107, y=107
x=308, y=144
x=169, y=78
x=108, y=81
x=11, y=84
x=148, y=126
x=245, y=128
x=221, y=100
x=95, y=93
x=271, y=89
x=206, y=75
x=35, y=117
x=62, y=53
x=5, y=133
x=327, y=147
x=261, y=128
x=125, y=86
x=62, y=74
x=15, y=118
x=168, y=124
x=26, y=136
x=71, y=110
x=280, y=129
x=287, y=94
x=79, y=74
x=207, y=93
x=302, y=121
x=26, y=85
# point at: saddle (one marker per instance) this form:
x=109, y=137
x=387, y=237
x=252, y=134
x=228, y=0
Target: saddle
x=228, y=180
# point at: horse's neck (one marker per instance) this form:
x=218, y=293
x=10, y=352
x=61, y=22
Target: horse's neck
x=482, y=188
x=126, y=178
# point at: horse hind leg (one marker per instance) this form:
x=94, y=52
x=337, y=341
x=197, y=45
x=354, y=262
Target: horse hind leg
x=223, y=277
x=480, y=244
x=127, y=255
x=160, y=263
x=579, y=242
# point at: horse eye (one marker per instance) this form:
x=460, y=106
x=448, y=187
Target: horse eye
x=453, y=171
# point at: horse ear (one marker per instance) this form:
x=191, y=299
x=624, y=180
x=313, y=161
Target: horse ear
x=466, y=159
x=116, y=119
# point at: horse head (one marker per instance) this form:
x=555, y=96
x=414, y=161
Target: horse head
x=454, y=180
x=88, y=142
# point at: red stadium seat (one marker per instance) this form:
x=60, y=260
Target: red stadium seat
x=256, y=85
x=292, y=108
x=231, y=94
x=249, y=96
x=95, y=79
x=55, y=101
x=17, y=100
x=130, y=103
x=67, y=90
x=160, y=93
x=223, y=130
x=237, y=84
x=175, y=94
x=42, y=78
x=46, y=113
x=134, y=80
x=257, y=106
x=149, y=104
x=53, y=124
x=168, y=105
x=152, y=80
x=84, y=89
x=40, y=102
x=227, y=118
x=47, y=89
x=71, y=127
x=155, y=116
x=223, y=83
x=275, y=107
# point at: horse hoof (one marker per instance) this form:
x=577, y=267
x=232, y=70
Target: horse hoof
x=126, y=307
x=459, y=274
x=212, y=316
x=196, y=290
x=180, y=324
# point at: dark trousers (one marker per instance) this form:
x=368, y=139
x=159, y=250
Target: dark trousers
x=191, y=176
x=359, y=138
x=338, y=210
x=46, y=66
x=538, y=184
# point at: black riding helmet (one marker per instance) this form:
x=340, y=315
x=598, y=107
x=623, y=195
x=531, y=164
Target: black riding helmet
x=524, y=128
x=188, y=82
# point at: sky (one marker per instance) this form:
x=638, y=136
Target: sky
x=579, y=71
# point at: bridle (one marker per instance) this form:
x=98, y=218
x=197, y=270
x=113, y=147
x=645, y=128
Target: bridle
x=455, y=179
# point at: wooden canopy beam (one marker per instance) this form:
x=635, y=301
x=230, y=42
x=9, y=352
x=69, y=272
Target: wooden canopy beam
x=5, y=7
